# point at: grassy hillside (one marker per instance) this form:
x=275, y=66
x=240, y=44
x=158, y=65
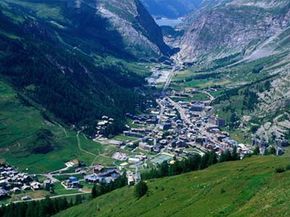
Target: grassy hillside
x=244, y=188
x=26, y=137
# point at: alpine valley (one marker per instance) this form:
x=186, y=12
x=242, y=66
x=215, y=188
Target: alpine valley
x=144, y=108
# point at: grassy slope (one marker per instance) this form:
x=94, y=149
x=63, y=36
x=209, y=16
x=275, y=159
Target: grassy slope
x=18, y=126
x=244, y=188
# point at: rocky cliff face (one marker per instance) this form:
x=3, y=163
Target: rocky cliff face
x=234, y=27
x=140, y=34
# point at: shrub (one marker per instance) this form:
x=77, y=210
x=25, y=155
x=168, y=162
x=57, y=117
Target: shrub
x=223, y=191
x=280, y=170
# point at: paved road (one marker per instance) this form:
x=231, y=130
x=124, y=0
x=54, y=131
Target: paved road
x=181, y=111
x=52, y=197
x=170, y=76
x=162, y=109
x=211, y=97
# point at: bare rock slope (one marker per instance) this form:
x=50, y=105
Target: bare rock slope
x=233, y=27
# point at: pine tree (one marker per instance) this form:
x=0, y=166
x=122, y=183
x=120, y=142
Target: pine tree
x=235, y=154
x=256, y=150
x=94, y=192
x=78, y=200
x=164, y=169
x=141, y=189
x=204, y=161
x=212, y=158
x=225, y=156
x=272, y=150
x=31, y=211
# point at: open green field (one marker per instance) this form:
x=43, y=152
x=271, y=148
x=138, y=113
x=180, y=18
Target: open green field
x=19, y=127
x=250, y=187
x=124, y=138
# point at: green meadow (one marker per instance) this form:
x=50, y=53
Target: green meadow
x=250, y=187
x=19, y=126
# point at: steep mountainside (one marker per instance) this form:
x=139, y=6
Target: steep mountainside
x=135, y=24
x=68, y=63
x=243, y=188
x=234, y=27
x=56, y=52
x=171, y=8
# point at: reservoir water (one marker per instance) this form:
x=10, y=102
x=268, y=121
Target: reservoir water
x=163, y=21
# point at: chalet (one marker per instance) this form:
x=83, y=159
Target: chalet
x=35, y=185
x=3, y=193
x=145, y=146
x=25, y=188
x=3, y=183
x=107, y=176
x=279, y=151
x=93, y=178
x=16, y=190
x=72, y=163
x=134, y=160
x=120, y=156
x=197, y=107
x=98, y=168
x=201, y=140
x=72, y=182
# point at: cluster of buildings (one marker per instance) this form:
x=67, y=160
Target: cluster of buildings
x=13, y=182
x=99, y=174
x=103, y=175
x=102, y=125
x=175, y=127
x=181, y=128
x=264, y=146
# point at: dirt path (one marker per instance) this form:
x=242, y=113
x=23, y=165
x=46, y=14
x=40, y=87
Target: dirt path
x=80, y=147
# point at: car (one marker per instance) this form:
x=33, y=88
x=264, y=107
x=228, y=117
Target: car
x=25, y=198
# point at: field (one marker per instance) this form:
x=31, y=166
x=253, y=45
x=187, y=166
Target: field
x=250, y=187
x=19, y=127
x=161, y=158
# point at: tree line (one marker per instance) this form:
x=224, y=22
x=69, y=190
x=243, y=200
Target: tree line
x=49, y=207
x=192, y=163
x=42, y=208
x=103, y=188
